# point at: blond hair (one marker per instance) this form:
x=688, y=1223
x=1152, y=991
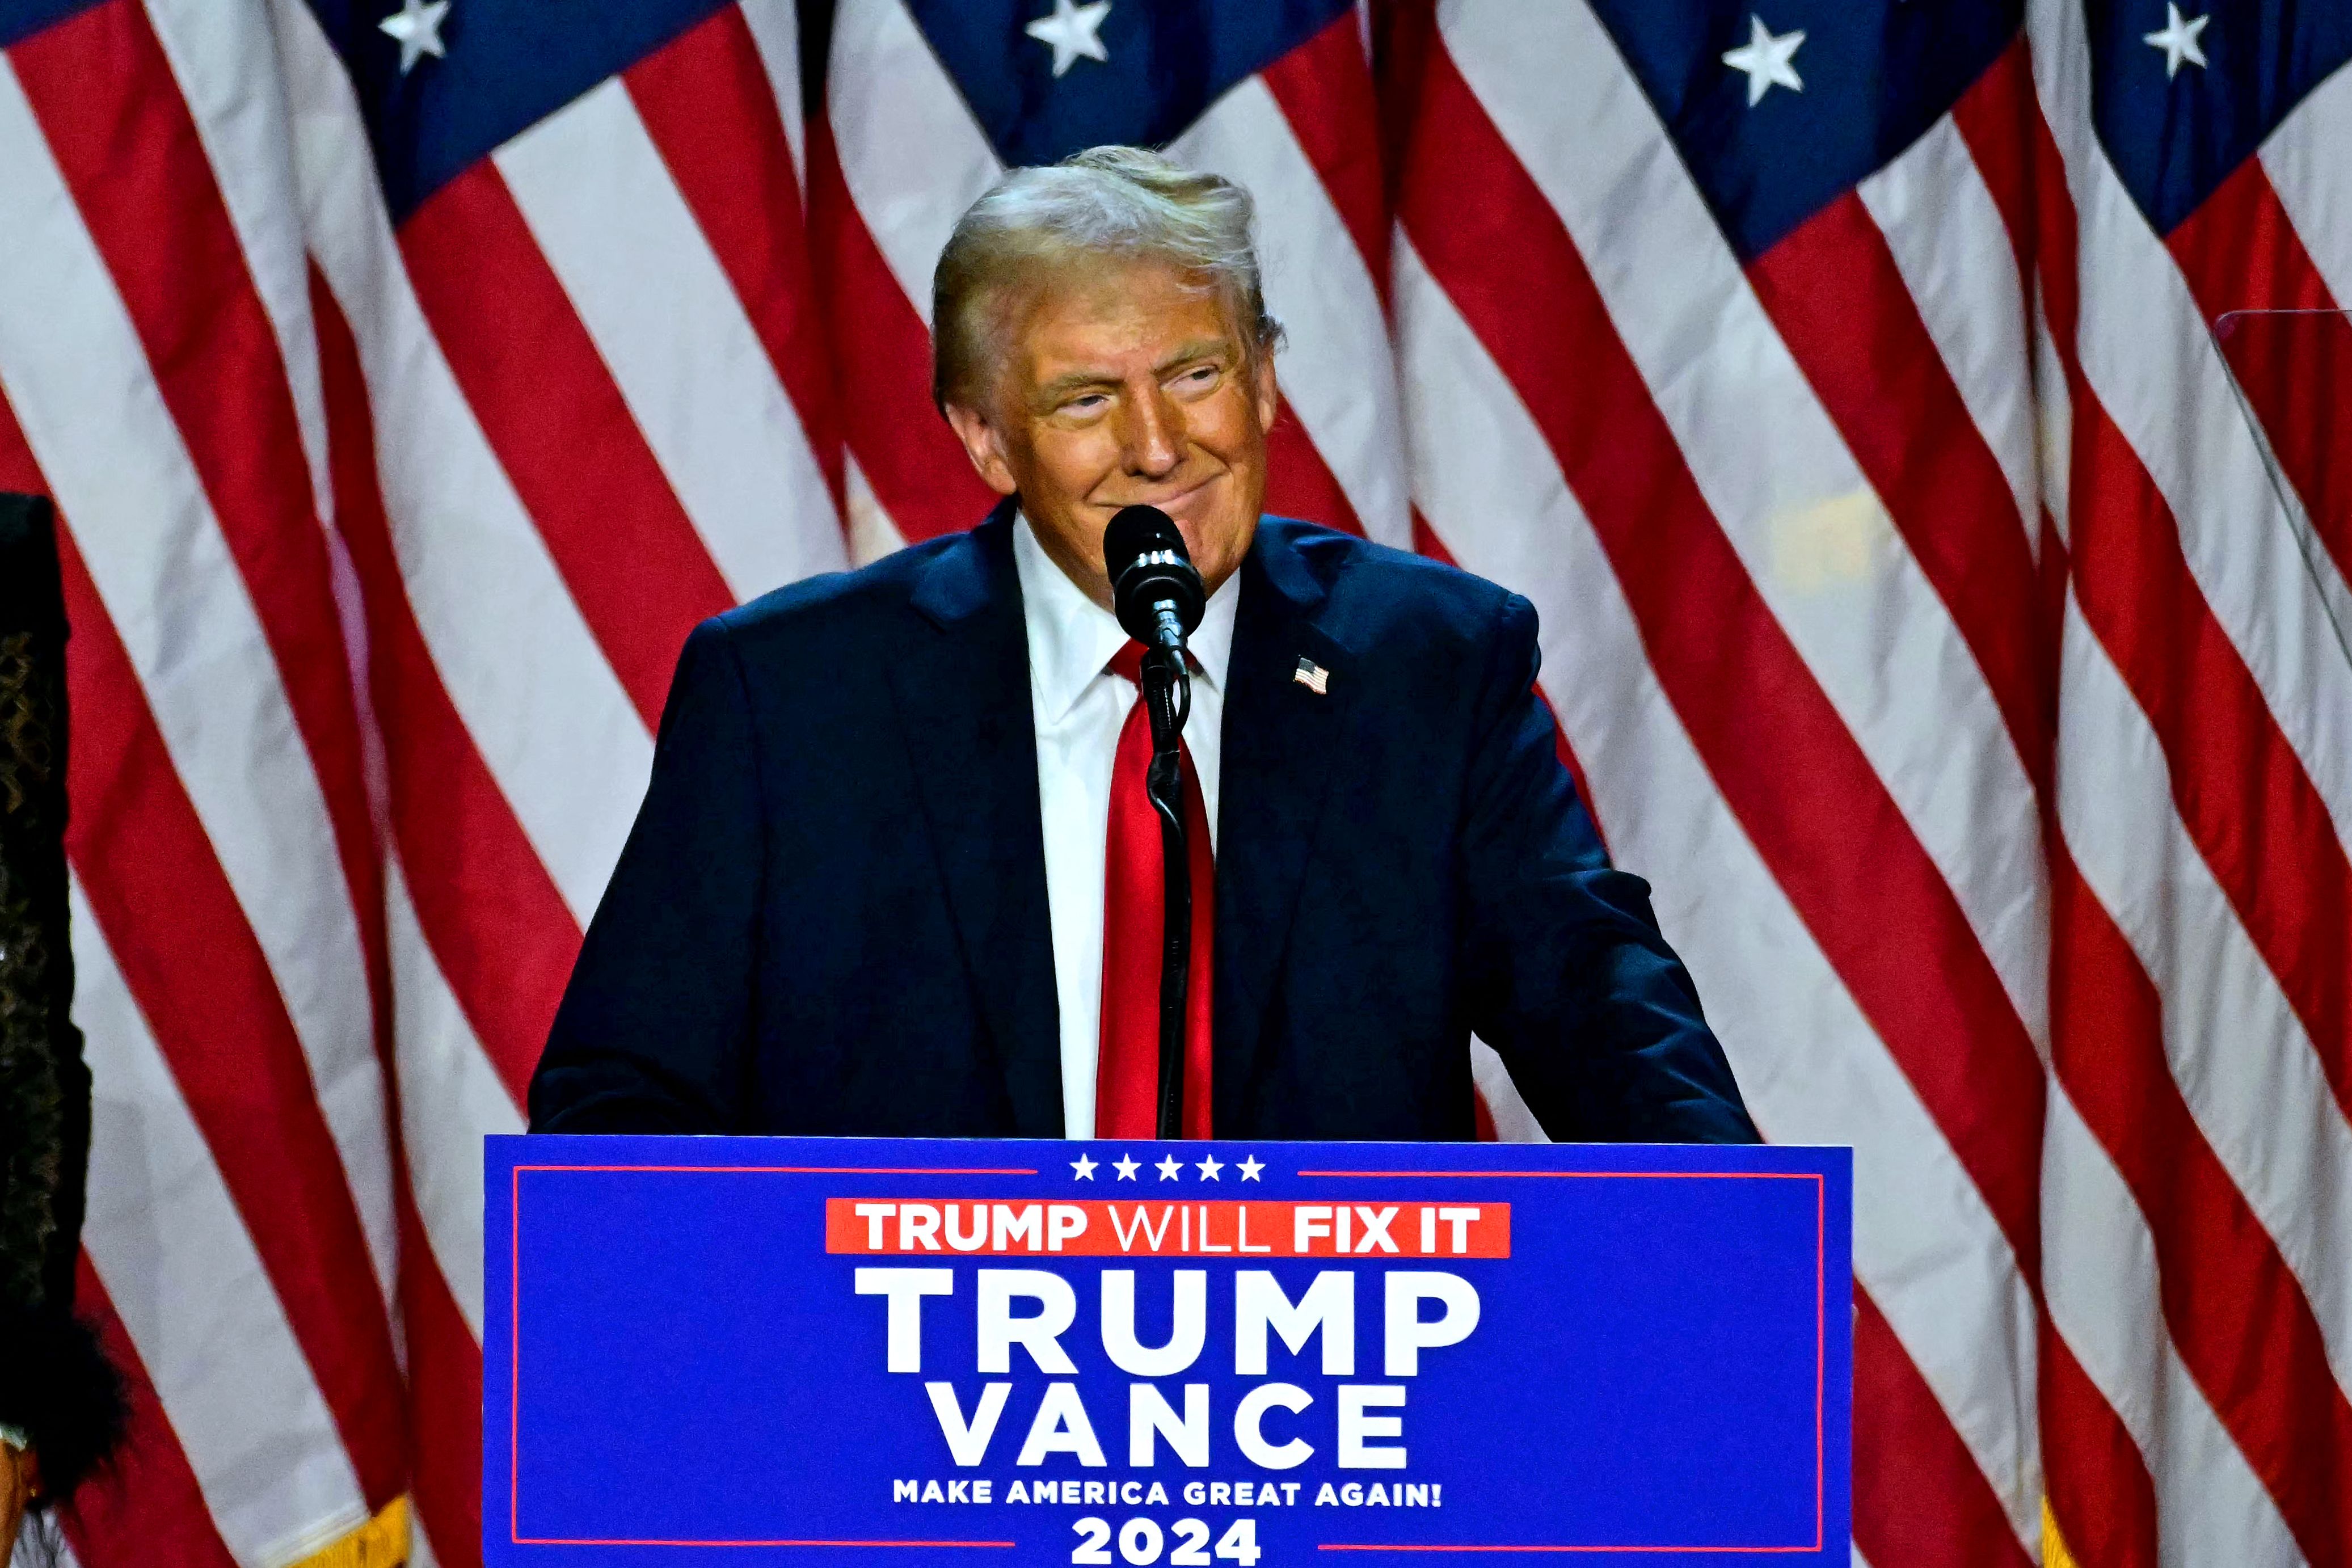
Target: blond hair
x=1122, y=203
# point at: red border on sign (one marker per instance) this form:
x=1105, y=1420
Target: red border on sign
x=1821, y=1347
x=514, y=1343
x=1820, y=1353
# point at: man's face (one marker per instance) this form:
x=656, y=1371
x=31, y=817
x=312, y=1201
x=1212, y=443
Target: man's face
x=1126, y=384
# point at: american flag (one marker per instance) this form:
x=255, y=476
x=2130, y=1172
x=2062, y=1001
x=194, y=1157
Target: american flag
x=1840, y=379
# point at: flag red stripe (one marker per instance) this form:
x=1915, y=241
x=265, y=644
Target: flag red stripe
x=1919, y=1498
x=112, y=114
x=1841, y=304
x=706, y=102
x=2100, y=1491
x=205, y=988
x=444, y=1404
x=639, y=573
x=1298, y=482
x=2237, y=1314
x=1324, y=89
x=145, y=1506
x=882, y=353
x=1786, y=763
x=2240, y=251
x=498, y=928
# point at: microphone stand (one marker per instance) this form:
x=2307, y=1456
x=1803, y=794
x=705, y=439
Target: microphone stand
x=1168, y=699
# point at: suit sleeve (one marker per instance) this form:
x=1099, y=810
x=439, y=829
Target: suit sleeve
x=652, y=1033
x=1568, y=975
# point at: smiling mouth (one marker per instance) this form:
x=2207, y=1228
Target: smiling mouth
x=1170, y=503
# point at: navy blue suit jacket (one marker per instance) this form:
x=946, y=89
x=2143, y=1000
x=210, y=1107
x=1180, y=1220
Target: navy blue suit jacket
x=831, y=915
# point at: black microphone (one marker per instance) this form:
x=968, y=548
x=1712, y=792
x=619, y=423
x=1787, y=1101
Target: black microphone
x=1156, y=593
x=1155, y=590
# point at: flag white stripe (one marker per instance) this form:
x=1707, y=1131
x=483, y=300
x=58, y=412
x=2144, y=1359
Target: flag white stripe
x=1954, y=251
x=536, y=693
x=2241, y=1058
x=1335, y=372
x=2305, y=163
x=173, y=1252
x=2053, y=423
x=450, y=1100
x=605, y=211
x=911, y=153
x=2100, y=1278
x=218, y=50
x=776, y=32
x=1514, y=1121
x=1809, y=1065
x=1814, y=538
x=872, y=535
x=73, y=368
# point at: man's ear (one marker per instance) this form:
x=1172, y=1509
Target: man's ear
x=1263, y=389
x=982, y=445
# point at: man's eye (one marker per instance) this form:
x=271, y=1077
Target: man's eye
x=1089, y=404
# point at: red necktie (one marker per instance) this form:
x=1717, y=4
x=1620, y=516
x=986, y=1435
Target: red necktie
x=1126, y=1081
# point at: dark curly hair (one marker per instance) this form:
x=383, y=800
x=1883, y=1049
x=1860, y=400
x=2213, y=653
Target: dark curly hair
x=56, y=1383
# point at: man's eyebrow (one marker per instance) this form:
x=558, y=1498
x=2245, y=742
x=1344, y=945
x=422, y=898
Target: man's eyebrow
x=1062, y=386
x=1199, y=348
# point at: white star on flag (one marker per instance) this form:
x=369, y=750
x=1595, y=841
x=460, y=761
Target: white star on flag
x=417, y=25
x=1169, y=1169
x=1125, y=1167
x=1073, y=30
x=2177, y=39
x=1210, y=1167
x=1084, y=1167
x=1766, y=59
x=1251, y=1167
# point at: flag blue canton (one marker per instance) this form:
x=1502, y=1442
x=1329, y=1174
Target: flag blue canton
x=1168, y=61
x=22, y=18
x=2174, y=137
x=509, y=65
x=1877, y=74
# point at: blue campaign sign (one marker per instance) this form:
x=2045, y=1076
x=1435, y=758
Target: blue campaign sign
x=915, y=1350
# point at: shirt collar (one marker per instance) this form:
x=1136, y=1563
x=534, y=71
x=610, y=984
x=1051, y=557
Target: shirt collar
x=1072, y=638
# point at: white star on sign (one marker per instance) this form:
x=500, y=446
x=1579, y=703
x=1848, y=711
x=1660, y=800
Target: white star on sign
x=1251, y=1167
x=2177, y=39
x=1209, y=1168
x=1766, y=59
x=1073, y=30
x=1169, y=1169
x=1085, y=1168
x=417, y=25
x=1125, y=1167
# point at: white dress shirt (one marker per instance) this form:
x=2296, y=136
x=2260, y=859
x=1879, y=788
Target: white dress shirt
x=1079, y=706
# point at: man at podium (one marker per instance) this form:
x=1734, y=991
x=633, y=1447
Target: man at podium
x=896, y=873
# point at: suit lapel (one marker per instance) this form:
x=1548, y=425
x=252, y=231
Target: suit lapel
x=963, y=692
x=1281, y=741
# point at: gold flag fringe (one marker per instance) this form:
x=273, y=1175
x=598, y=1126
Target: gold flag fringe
x=380, y=1542
x=2053, y=1545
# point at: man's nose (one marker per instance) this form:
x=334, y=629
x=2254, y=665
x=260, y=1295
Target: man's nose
x=1153, y=438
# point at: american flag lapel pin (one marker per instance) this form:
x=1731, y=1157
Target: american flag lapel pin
x=1312, y=676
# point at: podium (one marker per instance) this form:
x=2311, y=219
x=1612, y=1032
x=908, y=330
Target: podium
x=776, y=1349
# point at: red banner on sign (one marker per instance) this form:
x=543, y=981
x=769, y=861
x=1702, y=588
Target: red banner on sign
x=1087, y=1228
